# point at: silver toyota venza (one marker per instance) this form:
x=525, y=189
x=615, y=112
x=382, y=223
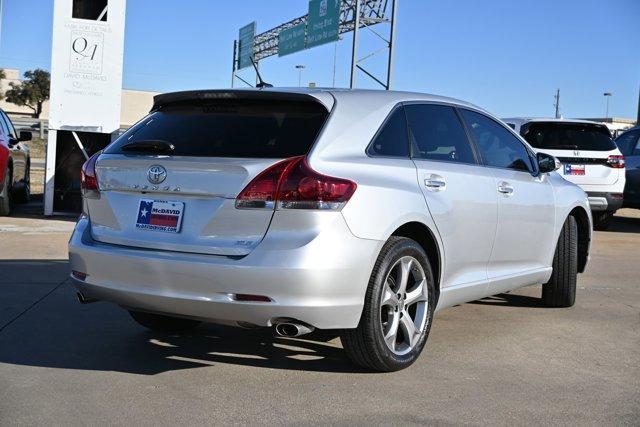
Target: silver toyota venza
x=363, y=211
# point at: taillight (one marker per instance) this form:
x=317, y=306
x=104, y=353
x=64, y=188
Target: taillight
x=304, y=188
x=262, y=191
x=292, y=184
x=616, y=162
x=89, y=178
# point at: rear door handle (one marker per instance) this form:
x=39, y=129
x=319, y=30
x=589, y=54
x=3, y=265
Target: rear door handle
x=435, y=182
x=505, y=188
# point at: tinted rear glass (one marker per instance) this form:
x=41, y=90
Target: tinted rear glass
x=263, y=129
x=568, y=136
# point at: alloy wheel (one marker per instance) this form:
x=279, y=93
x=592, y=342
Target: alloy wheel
x=404, y=305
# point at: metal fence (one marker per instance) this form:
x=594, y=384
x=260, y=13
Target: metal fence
x=39, y=127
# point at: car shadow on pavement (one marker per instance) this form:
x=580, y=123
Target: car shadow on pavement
x=624, y=224
x=511, y=300
x=43, y=325
x=35, y=209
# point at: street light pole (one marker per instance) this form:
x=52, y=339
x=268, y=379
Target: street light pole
x=607, y=95
x=300, y=68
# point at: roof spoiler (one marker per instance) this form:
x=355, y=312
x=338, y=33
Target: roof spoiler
x=164, y=99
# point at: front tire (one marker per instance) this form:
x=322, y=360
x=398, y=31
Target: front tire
x=560, y=290
x=164, y=324
x=398, y=309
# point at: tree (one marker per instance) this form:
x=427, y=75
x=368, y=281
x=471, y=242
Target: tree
x=2, y=77
x=32, y=92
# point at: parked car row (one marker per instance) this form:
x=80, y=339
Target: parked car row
x=15, y=165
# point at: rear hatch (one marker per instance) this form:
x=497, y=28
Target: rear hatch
x=584, y=149
x=170, y=182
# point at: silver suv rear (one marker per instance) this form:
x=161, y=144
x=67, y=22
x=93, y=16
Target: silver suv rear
x=363, y=211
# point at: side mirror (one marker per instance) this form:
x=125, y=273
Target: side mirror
x=25, y=135
x=547, y=163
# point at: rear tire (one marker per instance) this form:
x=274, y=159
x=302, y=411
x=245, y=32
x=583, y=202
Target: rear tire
x=164, y=324
x=397, y=313
x=602, y=220
x=560, y=290
x=23, y=195
x=5, y=194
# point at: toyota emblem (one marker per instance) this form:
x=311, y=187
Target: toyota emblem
x=156, y=174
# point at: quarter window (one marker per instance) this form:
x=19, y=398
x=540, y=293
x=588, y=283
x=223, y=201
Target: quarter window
x=392, y=139
x=497, y=146
x=437, y=134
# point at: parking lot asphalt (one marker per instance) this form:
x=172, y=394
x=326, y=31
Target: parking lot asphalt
x=501, y=360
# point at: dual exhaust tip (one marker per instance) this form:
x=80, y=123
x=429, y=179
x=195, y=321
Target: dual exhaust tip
x=293, y=329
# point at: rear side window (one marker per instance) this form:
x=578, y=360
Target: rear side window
x=568, y=136
x=392, y=139
x=438, y=134
x=497, y=146
x=233, y=128
x=627, y=143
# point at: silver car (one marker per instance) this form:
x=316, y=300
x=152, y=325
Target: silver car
x=363, y=211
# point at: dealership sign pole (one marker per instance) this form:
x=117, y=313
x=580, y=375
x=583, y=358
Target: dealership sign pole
x=86, y=89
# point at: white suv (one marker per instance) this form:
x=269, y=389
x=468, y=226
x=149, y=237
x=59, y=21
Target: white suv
x=588, y=155
x=364, y=211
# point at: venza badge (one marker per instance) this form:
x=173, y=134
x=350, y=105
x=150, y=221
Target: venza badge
x=156, y=174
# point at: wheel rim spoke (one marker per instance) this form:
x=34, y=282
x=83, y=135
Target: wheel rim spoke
x=404, y=271
x=392, y=334
x=408, y=328
x=389, y=297
x=417, y=294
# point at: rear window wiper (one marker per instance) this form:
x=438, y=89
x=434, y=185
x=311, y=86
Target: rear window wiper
x=158, y=146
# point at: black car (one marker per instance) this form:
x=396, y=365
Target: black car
x=14, y=165
x=629, y=144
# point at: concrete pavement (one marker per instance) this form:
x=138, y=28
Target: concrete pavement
x=502, y=360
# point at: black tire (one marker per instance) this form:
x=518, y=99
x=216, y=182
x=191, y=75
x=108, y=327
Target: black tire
x=560, y=290
x=5, y=202
x=602, y=220
x=164, y=324
x=365, y=345
x=23, y=195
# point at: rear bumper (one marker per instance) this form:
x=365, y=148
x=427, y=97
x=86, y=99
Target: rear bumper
x=322, y=282
x=599, y=201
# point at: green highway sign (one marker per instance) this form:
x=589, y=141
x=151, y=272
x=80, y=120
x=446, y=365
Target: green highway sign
x=324, y=18
x=245, y=45
x=291, y=40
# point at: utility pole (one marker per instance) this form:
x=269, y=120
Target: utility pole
x=607, y=95
x=638, y=117
x=354, y=49
x=300, y=68
x=233, y=68
x=557, y=104
x=335, y=57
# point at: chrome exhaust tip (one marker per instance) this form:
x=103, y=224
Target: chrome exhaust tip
x=293, y=329
x=83, y=299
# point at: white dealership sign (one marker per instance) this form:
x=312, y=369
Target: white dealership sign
x=86, y=65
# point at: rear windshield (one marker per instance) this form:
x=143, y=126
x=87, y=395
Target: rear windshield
x=230, y=128
x=568, y=136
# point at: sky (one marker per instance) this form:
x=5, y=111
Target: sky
x=506, y=56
